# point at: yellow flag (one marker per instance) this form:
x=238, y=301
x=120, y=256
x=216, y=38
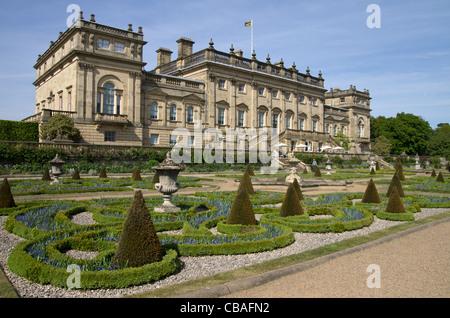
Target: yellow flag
x=249, y=23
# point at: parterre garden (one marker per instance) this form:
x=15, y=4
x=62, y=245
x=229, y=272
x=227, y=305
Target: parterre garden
x=130, y=244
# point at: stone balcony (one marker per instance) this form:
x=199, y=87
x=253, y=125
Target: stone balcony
x=111, y=119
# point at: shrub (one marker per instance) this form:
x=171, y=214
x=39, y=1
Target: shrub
x=249, y=170
x=440, y=177
x=138, y=244
x=60, y=123
x=46, y=175
x=371, y=194
x=377, y=165
x=372, y=171
x=6, y=198
x=103, y=173
x=76, y=174
x=298, y=190
x=433, y=173
x=399, y=170
x=317, y=172
x=291, y=203
x=395, y=182
x=136, y=174
x=395, y=204
x=241, y=211
x=246, y=181
x=155, y=178
x=19, y=131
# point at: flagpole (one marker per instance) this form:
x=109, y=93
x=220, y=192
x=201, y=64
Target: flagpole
x=251, y=48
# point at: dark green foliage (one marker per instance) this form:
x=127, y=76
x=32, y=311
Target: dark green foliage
x=305, y=171
x=155, y=179
x=395, y=204
x=372, y=171
x=136, y=174
x=19, y=131
x=399, y=170
x=371, y=194
x=395, y=182
x=298, y=190
x=433, y=173
x=317, y=172
x=6, y=198
x=138, y=244
x=241, y=211
x=291, y=203
x=247, y=182
x=46, y=175
x=440, y=177
x=103, y=173
x=76, y=174
x=249, y=170
x=62, y=124
x=377, y=165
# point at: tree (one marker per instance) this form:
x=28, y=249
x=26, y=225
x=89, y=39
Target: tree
x=439, y=143
x=382, y=146
x=62, y=124
x=343, y=140
x=407, y=132
x=6, y=198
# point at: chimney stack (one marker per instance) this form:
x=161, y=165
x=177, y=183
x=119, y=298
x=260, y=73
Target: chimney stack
x=184, y=47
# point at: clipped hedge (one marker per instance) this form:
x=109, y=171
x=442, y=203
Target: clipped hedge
x=19, y=131
x=22, y=263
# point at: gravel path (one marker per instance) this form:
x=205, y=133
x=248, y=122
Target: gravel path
x=194, y=267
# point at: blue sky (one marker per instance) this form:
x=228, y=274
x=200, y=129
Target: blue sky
x=405, y=63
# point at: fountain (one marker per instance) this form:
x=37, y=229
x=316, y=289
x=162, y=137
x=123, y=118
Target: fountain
x=168, y=171
x=56, y=169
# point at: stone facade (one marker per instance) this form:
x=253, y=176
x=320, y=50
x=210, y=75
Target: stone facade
x=94, y=74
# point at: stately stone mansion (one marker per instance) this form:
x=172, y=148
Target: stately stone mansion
x=95, y=74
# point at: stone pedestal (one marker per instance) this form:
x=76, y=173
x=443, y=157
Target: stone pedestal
x=56, y=169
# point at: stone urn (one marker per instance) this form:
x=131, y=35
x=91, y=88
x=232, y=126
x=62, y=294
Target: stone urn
x=168, y=171
x=56, y=169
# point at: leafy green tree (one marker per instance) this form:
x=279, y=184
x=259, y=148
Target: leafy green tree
x=343, y=140
x=60, y=123
x=382, y=146
x=407, y=132
x=439, y=143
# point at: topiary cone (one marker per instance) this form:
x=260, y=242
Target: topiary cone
x=249, y=169
x=372, y=171
x=395, y=204
x=138, y=243
x=433, y=173
x=298, y=190
x=76, y=174
x=155, y=179
x=291, y=204
x=241, y=211
x=399, y=170
x=305, y=171
x=371, y=194
x=395, y=182
x=247, y=182
x=6, y=198
x=102, y=173
x=46, y=175
x=377, y=166
x=317, y=172
x=440, y=177
x=136, y=174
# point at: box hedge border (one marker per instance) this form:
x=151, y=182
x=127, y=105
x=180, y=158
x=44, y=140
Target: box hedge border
x=26, y=266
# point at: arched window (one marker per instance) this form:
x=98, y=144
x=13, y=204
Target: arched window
x=173, y=112
x=190, y=114
x=108, y=99
x=360, y=128
x=154, y=111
